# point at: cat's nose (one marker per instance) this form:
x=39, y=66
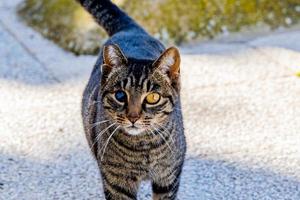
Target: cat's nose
x=133, y=117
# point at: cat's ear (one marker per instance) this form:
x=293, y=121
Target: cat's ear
x=169, y=64
x=113, y=57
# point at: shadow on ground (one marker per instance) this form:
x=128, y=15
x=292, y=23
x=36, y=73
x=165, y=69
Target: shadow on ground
x=202, y=179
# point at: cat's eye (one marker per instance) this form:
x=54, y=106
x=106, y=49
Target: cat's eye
x=120, y=96
x=152, y=98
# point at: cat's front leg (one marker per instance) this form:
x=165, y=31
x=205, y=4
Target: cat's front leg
x=118, y=186
x=167, y=188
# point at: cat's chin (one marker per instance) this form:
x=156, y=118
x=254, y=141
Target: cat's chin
x=134, y=130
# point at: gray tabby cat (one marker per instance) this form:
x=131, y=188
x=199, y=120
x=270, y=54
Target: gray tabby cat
x=131, y=108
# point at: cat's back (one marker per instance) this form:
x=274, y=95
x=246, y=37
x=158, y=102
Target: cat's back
x=138, y=44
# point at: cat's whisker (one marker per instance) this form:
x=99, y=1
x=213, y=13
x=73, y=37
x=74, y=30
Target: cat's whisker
x=155, y=129
x=170, y=137
x=171, y=150
x=165, y=130
x=144, y=126
x=108, y=141
x=155, y=136
x=98, y=123
x=101, y=133
x=150, y=132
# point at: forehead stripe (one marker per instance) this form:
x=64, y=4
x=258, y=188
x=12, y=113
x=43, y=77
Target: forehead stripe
x=125, y=81
x=137, y=80
x=131, y=80
x=143, y=83
x=141, y=78
x=148, y=85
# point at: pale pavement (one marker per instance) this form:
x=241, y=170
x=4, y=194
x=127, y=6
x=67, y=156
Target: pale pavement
x=241, y=105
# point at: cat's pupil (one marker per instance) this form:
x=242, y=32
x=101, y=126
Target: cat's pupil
x=120, y=96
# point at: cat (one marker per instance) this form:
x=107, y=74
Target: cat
x=131, y=108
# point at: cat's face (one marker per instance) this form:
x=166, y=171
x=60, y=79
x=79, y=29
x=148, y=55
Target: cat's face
x=139, y=95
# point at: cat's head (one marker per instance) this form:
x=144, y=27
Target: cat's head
x=139, y=95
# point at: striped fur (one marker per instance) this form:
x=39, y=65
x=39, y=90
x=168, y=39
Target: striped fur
x=155, y=149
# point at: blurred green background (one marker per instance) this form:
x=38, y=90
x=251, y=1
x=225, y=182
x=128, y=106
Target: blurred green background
x=172, y=21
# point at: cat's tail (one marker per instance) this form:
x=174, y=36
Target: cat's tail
x=109, y=16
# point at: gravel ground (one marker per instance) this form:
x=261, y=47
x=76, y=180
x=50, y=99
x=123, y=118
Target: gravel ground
x=240, y=103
